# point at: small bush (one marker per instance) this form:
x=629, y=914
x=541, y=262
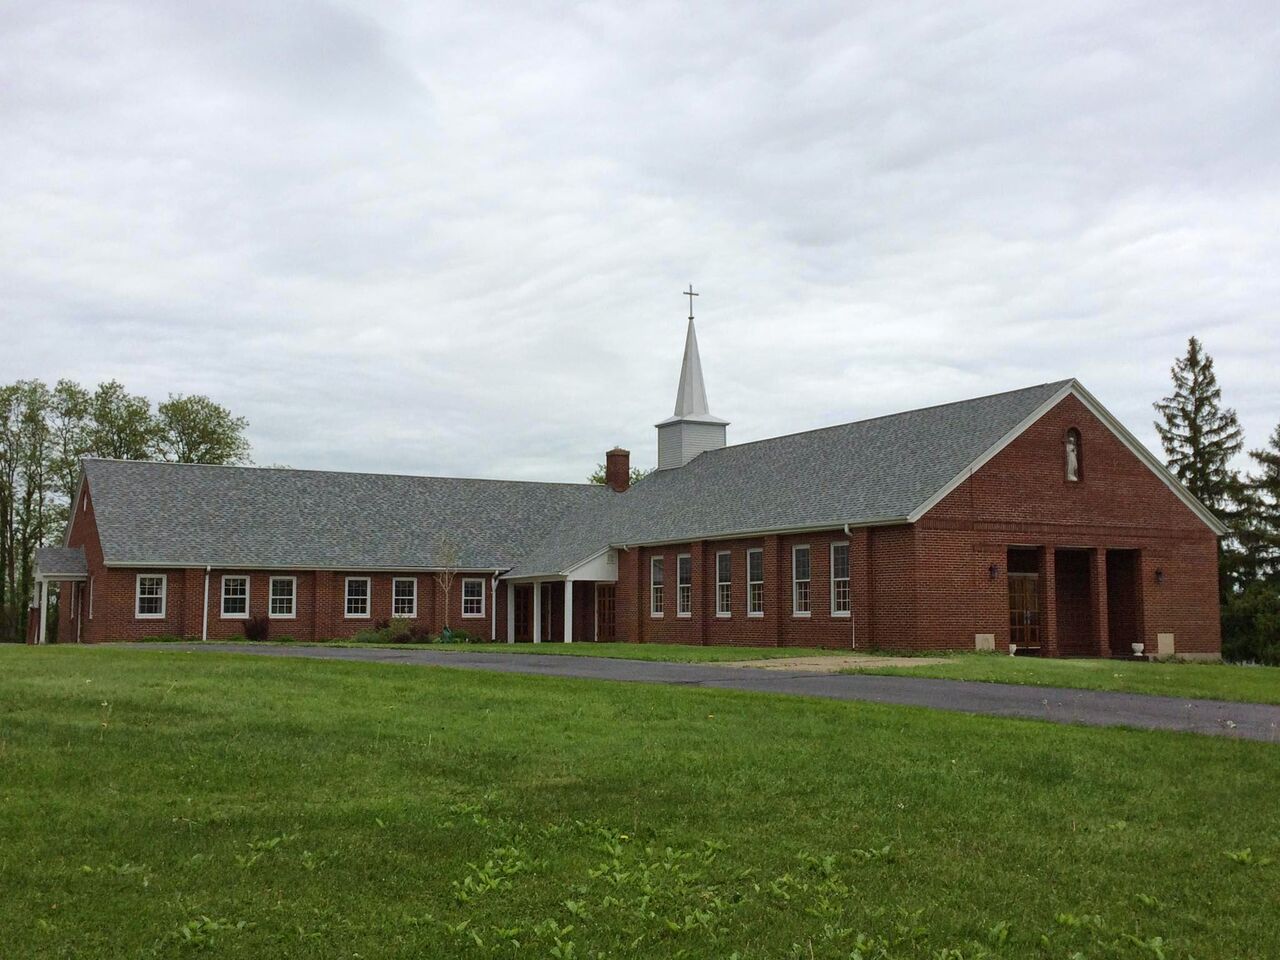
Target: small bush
x=257, y=628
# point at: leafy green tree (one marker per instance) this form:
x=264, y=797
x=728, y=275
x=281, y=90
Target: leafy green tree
x=1251, y=625
x=25, y=500
x=120, y=424
x=194, y=429
x=70, y=408
x=637, y=474
x=1199, y=436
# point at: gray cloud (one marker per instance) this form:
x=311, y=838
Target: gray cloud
x=450, y=238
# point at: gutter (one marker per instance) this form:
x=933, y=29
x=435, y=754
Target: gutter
x=853, y=620
x=493, y=585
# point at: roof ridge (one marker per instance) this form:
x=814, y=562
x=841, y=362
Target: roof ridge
x=348, y=473
x=890, y=416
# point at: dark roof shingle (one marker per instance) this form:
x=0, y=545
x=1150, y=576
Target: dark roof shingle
x=192, y=515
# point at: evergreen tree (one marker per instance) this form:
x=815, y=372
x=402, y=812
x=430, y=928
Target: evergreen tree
x=1261, y=538
x=1198, y=435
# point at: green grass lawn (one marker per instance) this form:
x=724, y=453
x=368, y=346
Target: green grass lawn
x=671, y=652
x=157, y=804
x=1199, y=681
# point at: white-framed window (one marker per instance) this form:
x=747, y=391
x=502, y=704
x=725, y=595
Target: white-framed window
x=357, y=605
x=840, y=596
x=684, y=585
x=801, y=598
x=91, y=598
x=473, y=597
x=151, y=592
x=724, y=584
x=655, y=586
x=235, y=598
x=404, y=597
x=755, y=583
x=282, y=603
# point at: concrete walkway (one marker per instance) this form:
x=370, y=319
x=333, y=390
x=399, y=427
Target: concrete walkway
x=1093, y=707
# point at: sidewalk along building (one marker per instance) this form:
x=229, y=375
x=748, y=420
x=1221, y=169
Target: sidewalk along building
x=1030, y=520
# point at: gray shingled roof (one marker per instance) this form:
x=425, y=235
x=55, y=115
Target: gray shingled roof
x=192, y=515
x=856, y=473
x=64, y=561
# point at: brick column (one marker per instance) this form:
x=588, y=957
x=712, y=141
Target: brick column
x=1098, y=601
x=698, y=563
x=322, y=602
x=1048, y=604
x=773, y=595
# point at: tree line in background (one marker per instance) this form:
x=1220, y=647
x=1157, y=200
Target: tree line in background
x=44, y=433
x=1201, y=437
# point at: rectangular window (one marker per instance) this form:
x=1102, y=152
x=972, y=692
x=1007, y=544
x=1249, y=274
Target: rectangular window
x=800, y=599
x=357, y=597
x=151, y=591
x=684, y=585
x=755, y=583
x=284, y=598
x=235, y=598
x=473, y=598
x=655, y=587
x=91, y=598
x=840, y=604
x=724, y=584
x=404, y=597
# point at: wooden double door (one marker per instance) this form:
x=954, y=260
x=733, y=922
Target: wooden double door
x=1024, y=610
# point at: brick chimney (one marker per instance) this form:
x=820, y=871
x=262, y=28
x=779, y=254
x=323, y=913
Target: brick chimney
x=617, y=469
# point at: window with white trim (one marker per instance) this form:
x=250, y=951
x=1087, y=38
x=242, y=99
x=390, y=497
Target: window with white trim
x=282, y=603
x=655, y=586
x=91, y=598
x=755, y=583
x=800, y=582
x=404, y=597
x=473, y=597
x=684, y=585
x=235, y=598
x=151, y=591
x=724, y=584
x=357, y=597
x=840, y=596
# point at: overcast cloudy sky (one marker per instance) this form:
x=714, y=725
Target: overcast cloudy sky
x=451, y=237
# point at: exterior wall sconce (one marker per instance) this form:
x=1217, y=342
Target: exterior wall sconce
x=993, y=571
x=1159, y=575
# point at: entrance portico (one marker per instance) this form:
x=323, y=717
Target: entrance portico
x=565, y=608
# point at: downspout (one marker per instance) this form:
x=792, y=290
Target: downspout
x=204, y=627
x=493, y=630
x=853, y=619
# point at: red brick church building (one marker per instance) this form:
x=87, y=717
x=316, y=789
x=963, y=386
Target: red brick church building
x=1030, y=519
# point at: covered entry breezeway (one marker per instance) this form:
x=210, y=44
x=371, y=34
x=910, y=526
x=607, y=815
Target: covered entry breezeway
x=1074, y=601
x=575, y=606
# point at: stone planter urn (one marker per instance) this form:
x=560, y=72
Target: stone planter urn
x=1013, y=649
x=1138, y=648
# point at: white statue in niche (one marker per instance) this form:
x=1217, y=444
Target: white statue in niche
x=1073, y=456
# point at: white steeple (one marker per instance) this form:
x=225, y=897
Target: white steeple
x=692, y=429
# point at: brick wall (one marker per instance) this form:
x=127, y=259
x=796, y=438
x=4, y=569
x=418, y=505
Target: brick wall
x=1021, y=497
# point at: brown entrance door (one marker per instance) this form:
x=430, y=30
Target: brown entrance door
x=1024, y=610
x=546, y=613
x=604, y=612
x=524, y=613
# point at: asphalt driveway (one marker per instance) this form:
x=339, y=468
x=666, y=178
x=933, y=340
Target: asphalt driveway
x=1057, y=705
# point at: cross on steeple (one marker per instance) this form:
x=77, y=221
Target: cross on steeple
x=690, y=294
